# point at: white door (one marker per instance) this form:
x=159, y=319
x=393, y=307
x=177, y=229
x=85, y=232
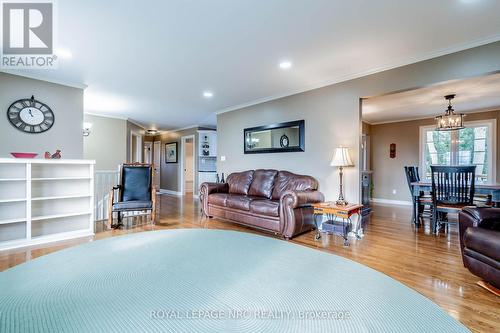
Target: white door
x=156, y=163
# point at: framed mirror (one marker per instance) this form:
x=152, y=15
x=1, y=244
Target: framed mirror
x=276, y=138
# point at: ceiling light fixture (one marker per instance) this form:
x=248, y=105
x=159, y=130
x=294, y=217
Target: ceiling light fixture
x=285, y=65
x=450, y=121
x=208, y=94
x=151, y=132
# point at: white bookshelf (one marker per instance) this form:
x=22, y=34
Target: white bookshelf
x=44, y=201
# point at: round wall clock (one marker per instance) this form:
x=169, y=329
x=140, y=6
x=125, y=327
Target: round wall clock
x=284, y=142
x=30, y=116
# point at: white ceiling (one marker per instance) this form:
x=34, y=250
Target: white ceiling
x=473, y=95
x=150, y=61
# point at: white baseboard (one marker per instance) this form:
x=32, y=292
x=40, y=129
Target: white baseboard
x=391, y=202
x=163, y=191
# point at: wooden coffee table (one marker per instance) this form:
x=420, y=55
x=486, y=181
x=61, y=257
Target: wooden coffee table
x=337, y=213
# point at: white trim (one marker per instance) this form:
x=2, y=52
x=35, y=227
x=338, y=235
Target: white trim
x=157, y=144
x=138, y=146
x=492, y=143
x=164, y=191
x=431, y=55
x=183, y=142
x=104, y=116
x=39, y=77
x=490, y=109
x=147, y=152
x=136, y=124
x=391, y=202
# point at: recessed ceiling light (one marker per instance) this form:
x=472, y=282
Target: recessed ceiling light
x=285, y=65
x=63, y=53
x=208, y=94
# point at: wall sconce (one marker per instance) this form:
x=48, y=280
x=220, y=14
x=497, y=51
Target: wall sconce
x=86, y=129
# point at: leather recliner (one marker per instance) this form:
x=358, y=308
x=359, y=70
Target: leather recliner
x=479, y=230
x=271, y=200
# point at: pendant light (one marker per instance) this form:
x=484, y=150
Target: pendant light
x=450, y=121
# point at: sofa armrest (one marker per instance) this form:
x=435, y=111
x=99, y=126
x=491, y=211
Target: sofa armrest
x=474, y=217
x=208, y=188
x=296, y=213
x=484, y=217
x=296, y=199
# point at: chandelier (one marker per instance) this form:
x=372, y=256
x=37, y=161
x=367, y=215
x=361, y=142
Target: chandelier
x=450, y=121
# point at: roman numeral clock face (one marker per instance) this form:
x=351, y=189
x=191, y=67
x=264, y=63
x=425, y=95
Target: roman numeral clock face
x=30, y=116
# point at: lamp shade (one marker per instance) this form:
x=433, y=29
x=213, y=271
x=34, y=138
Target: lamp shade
x=341, y=157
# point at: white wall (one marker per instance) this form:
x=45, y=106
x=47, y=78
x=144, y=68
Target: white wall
x=332, y=117
x=67, y=105
x=107, y=142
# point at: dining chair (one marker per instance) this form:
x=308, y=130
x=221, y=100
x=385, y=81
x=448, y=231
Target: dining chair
x=453, y=188
x=136, y=193
x=422, y=205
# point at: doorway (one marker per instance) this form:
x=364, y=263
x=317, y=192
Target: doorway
x=156, y=164
x=148, y=152
x=187, y=165
x=135, y=147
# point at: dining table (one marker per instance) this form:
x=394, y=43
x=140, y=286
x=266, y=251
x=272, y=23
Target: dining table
x=486, y=189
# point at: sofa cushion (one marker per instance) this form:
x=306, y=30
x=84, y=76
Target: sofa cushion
x=287, y=181
x=262, y=183
x=240, y=202
x=239, y=182
x=265, y=207
x=218, y=199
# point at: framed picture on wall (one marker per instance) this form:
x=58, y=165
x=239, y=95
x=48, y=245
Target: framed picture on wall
x=171, y=152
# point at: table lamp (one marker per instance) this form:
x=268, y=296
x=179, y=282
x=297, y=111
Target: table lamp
x=341, y=159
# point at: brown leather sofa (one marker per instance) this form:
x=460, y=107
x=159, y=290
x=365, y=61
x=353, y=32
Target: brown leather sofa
x=271, y=200
x=479, y=230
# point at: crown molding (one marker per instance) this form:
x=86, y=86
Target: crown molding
x=490, y=109
x=43, y=78
x=397, y=64
x=105, y=116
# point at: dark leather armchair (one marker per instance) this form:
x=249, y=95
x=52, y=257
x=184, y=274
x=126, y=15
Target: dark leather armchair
x=479, y=230
x=135, y=192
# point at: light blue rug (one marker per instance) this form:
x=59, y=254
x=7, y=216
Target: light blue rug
x=208, y=281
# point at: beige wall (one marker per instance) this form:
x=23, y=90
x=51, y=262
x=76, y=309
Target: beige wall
x=107, y=142
x=67, y=105
x=170, y=177
x=332, y=117
x=388, y=174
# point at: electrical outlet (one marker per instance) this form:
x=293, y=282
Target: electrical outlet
x=223, y=158
x=394, y=191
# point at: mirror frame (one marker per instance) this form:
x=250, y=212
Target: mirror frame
x=301, y=147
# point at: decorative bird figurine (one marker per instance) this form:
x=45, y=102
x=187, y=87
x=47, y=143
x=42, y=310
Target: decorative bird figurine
x=56, y=155
x=47, y=155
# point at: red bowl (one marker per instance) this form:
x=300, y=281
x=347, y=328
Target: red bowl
x=24, y=155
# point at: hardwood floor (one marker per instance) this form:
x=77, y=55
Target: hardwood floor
x=430, y=265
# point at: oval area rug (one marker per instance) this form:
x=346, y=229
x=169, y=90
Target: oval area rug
x=199, y=280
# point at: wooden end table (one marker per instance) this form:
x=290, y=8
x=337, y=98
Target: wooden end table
x=335, y=212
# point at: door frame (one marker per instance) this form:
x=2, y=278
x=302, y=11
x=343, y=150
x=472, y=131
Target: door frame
x=138, y=146
x=183, y=145
x=157, y=144
x=149, y=146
